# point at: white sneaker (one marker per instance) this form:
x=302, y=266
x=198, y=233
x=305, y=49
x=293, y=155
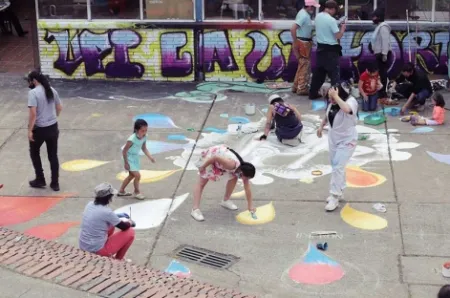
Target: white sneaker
x=228, y=205
x=332, y=204
x=331, y=197
x=197, y=215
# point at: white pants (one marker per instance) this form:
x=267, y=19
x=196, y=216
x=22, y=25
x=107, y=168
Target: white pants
x=340, y=154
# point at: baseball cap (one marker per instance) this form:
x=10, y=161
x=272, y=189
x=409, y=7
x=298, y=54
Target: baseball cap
x=312, y=3
x=104, y=189
x=273, y=97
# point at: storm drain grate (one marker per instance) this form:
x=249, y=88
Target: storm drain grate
x=205, y=257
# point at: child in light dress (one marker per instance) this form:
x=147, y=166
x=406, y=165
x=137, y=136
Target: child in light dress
x=215, y=162
x=132, y=161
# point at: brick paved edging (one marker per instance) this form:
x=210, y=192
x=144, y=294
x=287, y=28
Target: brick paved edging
x=68, y=266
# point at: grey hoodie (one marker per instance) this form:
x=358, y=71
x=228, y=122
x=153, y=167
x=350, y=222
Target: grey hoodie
x=381, y=39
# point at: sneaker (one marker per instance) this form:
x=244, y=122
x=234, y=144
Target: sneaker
x=332, y=204
x=197, y=215
x=228, y=205
x=54, y=186
x=37, y=183
x=332, y=197
x=139, y=196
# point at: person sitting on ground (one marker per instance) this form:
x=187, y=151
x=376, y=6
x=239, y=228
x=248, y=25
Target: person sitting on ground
x=287, y=120
x=214, y=162
x=98, y=224
x=444, y=292
x=418, y=91
x=369, y=85
x=438, y=117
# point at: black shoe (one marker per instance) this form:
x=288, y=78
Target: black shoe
x=314, y=96
x=37, y=183
x=54, y=186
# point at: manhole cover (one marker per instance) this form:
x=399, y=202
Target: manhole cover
x=205, y=257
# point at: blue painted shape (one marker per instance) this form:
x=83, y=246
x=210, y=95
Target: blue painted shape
x=216, y=130
x=224, y=115
x=176, y=137
x=314, y=256
x=238, y=119
x=176, y=267
x=156, y=120
x=264, y=110
x=318, y=105
x=444, y=158
x=423, y=129
x=362, y=115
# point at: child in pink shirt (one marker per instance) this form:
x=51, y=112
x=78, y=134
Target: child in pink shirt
x=438, y=117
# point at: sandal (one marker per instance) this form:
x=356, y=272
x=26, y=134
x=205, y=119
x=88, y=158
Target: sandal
x=139, y=196
x=124, y=194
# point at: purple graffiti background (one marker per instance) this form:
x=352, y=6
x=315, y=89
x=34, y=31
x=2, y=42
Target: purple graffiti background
x=213, y=52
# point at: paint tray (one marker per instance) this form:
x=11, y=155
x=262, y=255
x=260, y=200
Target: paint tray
x=375, y=119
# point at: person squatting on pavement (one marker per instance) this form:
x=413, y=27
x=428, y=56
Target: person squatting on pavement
x=286, y=119
x=328, y=49
x=381, y=47
x=214, y=162
x=44, y=107
x=301, y=32
x=98, y=225
x=342, y=117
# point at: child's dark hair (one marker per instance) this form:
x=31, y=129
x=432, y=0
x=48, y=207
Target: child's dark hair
x=344, y=90
x=439, y=99
x=444, y=292
x=103, y=200
x=408, y=67
x=138, y=124
x=372, y=67
x=248, y=170
x=38, y=76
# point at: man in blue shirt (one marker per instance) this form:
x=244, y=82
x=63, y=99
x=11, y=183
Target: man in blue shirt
x=328, y=49
x=301, y=32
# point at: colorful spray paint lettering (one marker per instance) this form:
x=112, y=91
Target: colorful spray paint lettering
x=221, y=55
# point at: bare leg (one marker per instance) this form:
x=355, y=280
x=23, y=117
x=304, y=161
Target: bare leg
x=137, y=180
x=126, y=182
x=198, y=192
x=231, y=185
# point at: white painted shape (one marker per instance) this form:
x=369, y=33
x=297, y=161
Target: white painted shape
x=273, y=159
x=151, y=214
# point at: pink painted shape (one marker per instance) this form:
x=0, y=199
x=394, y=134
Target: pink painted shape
x=182, y=275
x=315, y=274
x=50, y=231
x=16, y=210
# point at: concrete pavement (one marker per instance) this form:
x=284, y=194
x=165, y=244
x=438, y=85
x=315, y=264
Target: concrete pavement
x=394, y=254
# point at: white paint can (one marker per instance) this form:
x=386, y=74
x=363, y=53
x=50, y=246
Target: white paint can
x=446, y=269
x=250, y=109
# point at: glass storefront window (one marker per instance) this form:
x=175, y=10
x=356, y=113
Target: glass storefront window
x=169, y=9
x=115, y=9
x=62, y=9
x=442, y=13
x=419, y=10
x=231, y=9
x=360, y=10
x=281, y=9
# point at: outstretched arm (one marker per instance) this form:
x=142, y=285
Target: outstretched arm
x=146, y=152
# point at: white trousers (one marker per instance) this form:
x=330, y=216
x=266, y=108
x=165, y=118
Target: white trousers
x=340, y=154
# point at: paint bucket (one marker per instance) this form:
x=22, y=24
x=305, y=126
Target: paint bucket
x=250, y=109
x=395, y=112
x=446, y=269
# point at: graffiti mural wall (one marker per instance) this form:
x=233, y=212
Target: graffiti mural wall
x=218, y=54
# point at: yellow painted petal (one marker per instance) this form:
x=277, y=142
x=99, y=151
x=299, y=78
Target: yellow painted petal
x=357, y=177
x=362, y=220
x=239, y=194
x=79, y=165
x=264, y=215
x=149, y=176
x=307, y=180
x=96, y=115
